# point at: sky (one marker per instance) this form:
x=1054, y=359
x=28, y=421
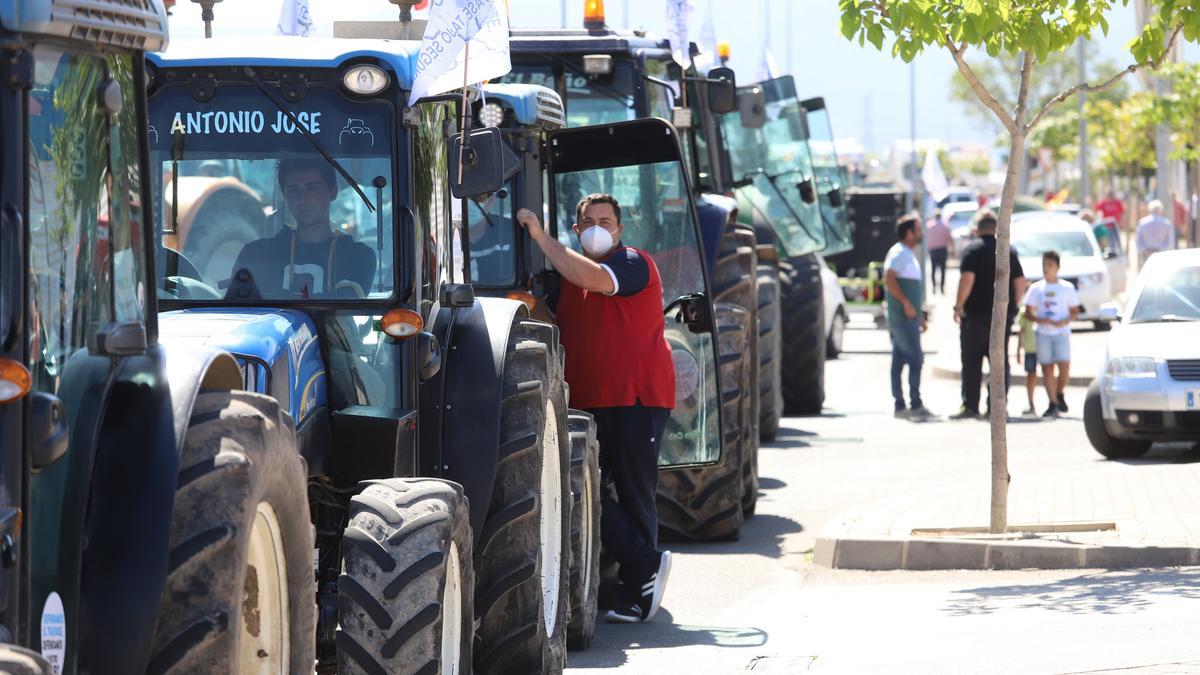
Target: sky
x=866, y=91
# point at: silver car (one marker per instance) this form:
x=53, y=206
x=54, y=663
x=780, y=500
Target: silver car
x=1149, y=387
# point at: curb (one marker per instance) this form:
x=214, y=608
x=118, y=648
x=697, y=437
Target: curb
x=894, y=553
x=945, y=372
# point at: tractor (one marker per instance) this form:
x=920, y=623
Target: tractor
x=605, y=76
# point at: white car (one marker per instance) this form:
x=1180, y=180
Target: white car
x=836, y=316
x=960, y=218
x=1084, y=264
x=1149, y=387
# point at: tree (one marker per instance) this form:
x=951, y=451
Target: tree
x=1030, y=30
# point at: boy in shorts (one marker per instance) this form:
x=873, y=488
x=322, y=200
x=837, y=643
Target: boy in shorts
x=1052, y=305
x=1027, y=347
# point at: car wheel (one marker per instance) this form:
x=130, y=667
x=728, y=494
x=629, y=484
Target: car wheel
x=1102, y=325
x=1093, y=425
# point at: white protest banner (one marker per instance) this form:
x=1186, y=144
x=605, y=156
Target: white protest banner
x=708, y=41
x=932, y=175
x=679, y=14
x=465, y=41
x=294, y=19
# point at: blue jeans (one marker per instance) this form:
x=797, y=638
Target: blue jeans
x=906, y=351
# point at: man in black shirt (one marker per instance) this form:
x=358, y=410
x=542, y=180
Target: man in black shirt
x=973, y=310
x=311, y=260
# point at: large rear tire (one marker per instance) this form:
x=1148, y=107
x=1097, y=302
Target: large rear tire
x=404, y=595
x=770, y=386
x=523, y=560
x=705, y=503
x=239, y=591
x=585, y=530
x=803, y=322
x=1093, y=425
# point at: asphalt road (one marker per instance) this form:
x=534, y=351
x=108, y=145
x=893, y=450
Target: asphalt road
x=760, y=604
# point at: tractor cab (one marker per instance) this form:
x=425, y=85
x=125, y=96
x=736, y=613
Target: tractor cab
x=831, y=183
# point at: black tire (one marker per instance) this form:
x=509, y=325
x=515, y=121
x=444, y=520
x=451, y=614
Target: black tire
x=802, y=361
x=1093, y=425
x=837, y=330
x=585, y=530
x=770, y=387
x=705, y=503
x=239, y=469
x=408, y=538
x=512, y=636
x=735, y=282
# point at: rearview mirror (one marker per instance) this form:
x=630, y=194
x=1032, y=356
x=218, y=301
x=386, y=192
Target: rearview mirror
x=1110, y=254
x=692, y=312
x=752, y=106
x=722, y=91
x=477, y=166
x=808, y=193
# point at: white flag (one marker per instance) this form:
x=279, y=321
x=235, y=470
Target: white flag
x=294, y=19
x=445, y=62
x=708, y=42
x=679, y=14
x=932, y=175
x=768, y=70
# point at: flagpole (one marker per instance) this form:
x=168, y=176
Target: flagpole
x=463, y=145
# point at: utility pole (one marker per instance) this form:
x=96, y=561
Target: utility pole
x=791, y=64
x=563, y=10
x=625, y=13
x=912, y=137
x=1084, y=178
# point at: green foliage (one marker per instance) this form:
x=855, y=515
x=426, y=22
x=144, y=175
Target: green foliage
x=1180, y=109
x=1040, y=27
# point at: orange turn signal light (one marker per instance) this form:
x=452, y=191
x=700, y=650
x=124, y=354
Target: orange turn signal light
x=401, y=323
x=593, y=13
x=15, y=380
x=522, y=296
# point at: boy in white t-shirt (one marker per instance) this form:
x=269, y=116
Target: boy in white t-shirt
x=1052, y=305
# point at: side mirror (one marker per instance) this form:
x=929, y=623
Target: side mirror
x=477, y=166
x=808, y=193
x=1109, y=312
x=722, y=91
x=1110, y=254
x=752, y=106
x=48, y=429
x=835, y=198
x=692, y=312
x=429, y=355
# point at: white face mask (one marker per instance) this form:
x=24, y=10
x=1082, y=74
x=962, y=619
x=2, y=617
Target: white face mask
x=596, y=240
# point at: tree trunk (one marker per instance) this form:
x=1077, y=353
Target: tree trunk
x=997, y=362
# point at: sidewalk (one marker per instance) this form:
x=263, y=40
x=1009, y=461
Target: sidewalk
x=1153, y=513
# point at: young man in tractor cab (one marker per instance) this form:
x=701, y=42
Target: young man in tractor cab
x=620, y=370
x=308, y=260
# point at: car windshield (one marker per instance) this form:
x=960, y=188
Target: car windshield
x=1068, y=244
x=1171, y=295
x=238, y=186
x=960, y=219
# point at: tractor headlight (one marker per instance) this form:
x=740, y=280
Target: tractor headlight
x=365, y=80
x=1132, y=367
x=491, y=115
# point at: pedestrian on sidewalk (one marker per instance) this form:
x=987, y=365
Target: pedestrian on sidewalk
x=619, y=368
x=1027, y=347
x=940, y=245
x=973, y=310
x=1052, y=305
x=906, y=320
x=1154, y=233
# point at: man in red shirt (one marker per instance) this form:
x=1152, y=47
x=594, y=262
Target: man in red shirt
x=1111, y=207
x=619, y=368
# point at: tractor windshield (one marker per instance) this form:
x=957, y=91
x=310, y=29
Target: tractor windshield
x=239, y=187
x=598, y=98
x=830, y=183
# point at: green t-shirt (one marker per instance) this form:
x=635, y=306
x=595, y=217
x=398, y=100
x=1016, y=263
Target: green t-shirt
x=1028, y=337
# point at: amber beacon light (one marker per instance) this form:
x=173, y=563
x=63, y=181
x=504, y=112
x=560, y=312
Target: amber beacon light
x=15, y=380
x=593, y=13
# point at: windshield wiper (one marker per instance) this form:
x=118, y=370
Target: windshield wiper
x=262, y=86
x=611, y=92
x=486, y=217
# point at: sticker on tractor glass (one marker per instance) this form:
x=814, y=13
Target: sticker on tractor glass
x=687, y=374
x=54, y=633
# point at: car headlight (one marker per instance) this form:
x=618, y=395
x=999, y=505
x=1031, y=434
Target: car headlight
x=1132, y=366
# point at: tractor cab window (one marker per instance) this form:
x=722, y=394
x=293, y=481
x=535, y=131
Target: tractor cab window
x=239, y=187
x=491, y=231
x=829, y=178
x=85, y=219
x=589, y=99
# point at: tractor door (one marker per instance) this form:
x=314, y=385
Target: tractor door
x=831, y=186
x=640, y=163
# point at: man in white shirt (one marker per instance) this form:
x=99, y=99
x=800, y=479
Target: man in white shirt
x=1052, y=305
x=1154, y=233
x=905, y=295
